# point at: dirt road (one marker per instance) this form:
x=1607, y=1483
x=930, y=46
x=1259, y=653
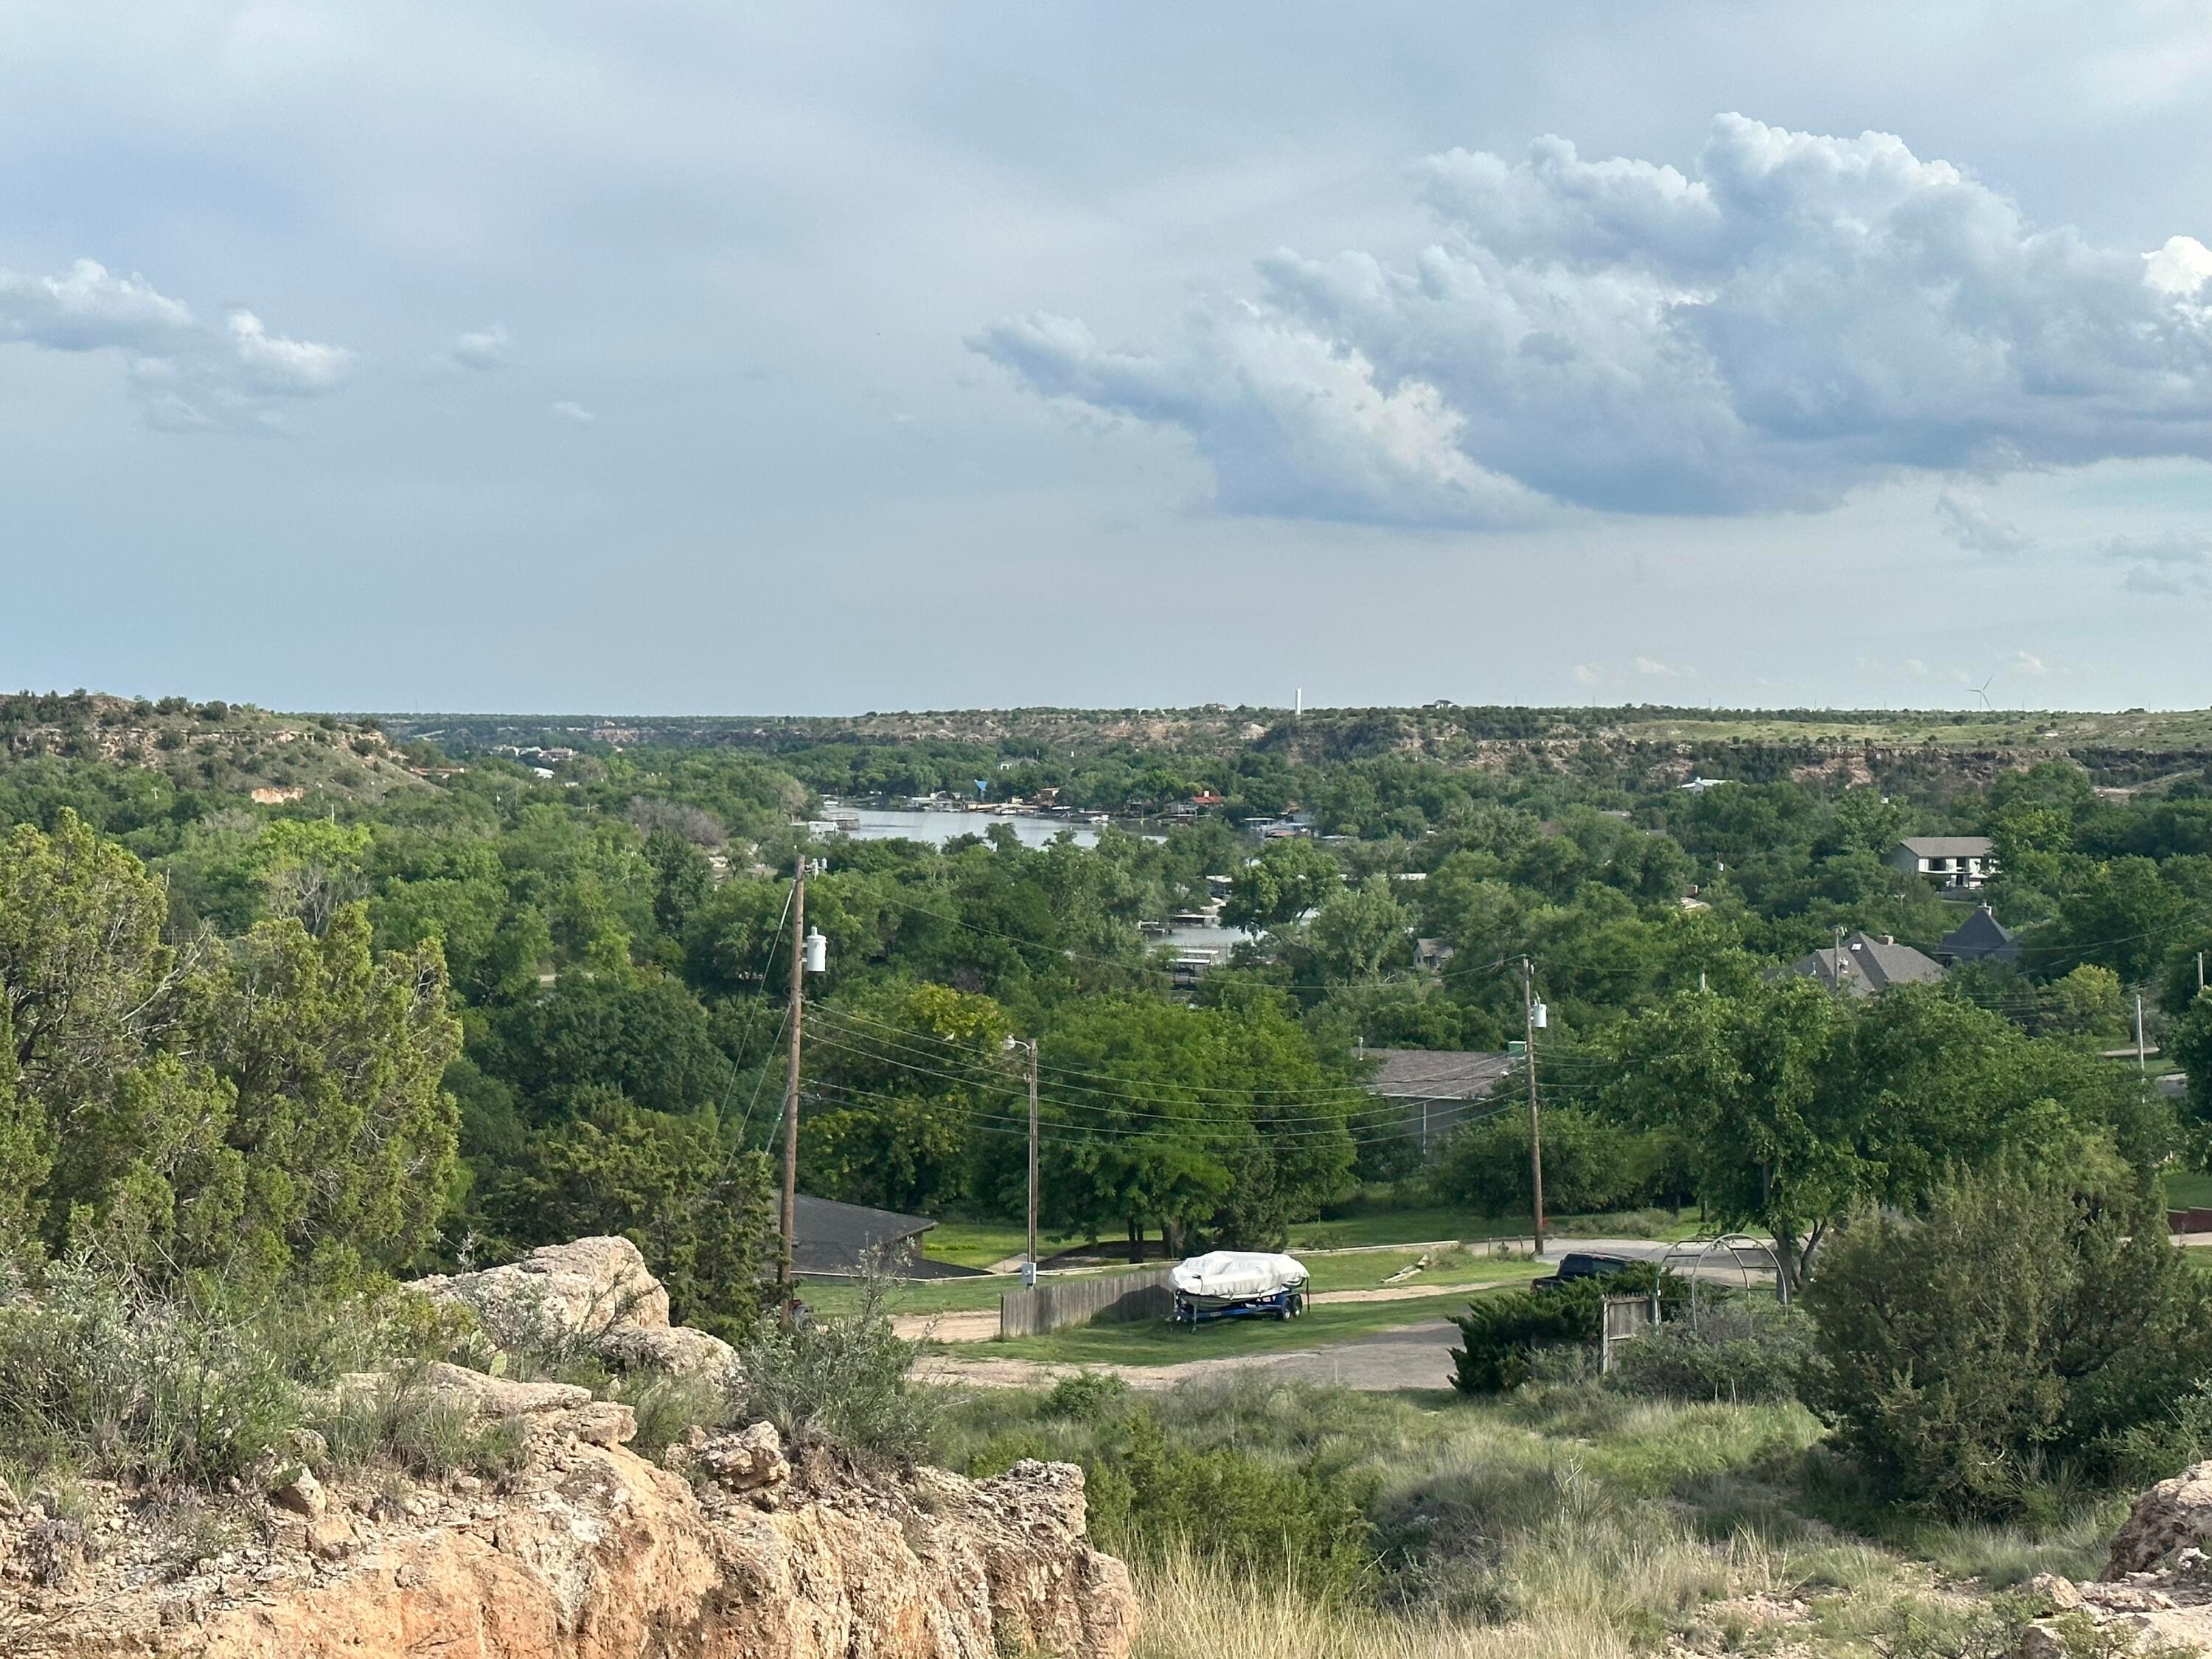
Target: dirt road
x=1416, y=1356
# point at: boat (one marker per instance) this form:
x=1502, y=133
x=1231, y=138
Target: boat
x=1237, y=1285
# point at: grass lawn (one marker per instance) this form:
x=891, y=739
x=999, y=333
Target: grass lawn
x=2187, y=1189
x=1157, y=1343
x=1422, y=1226
x=976, y=1244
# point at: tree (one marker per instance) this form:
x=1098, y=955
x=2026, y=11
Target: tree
x=1797, y=1106
x=2085, y=1001
x=335, y=1058
x=2012, y=1323
x=698, y=1212
x=1292, y=875
x=1358, y=929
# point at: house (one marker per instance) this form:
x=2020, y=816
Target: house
x=1862, y=964
x=1435, y=1087
x=1698, y=785
x=1980, y=938
x=1431, y=953
x=839, y=1240
x=1947, y=861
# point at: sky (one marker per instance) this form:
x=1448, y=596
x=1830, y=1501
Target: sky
x=816, y=358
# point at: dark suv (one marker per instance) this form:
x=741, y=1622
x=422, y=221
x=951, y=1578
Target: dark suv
x=1577, y=1264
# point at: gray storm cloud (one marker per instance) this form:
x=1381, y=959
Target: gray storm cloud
x=1799, y=316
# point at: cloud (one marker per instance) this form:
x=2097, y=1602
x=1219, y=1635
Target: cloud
x=1974, y=527
x=1797, y=316
x=2026, y=662
x=483, y=348
x=1597, y=676
x=189, y=377
x=575, y=413
x=2170, y=564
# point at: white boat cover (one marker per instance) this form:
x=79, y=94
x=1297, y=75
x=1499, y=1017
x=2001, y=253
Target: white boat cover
x=1236, y=1275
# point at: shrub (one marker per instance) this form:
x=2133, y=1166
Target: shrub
x=1501, y=1330
x=404, y=1426
x=2014, y=1329
x=841, y=1379
x=1745, y=1349
x=135, y=1387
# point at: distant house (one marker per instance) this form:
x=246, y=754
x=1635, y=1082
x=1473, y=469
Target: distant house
x=1947, y=861
x=1864, y=964
x=1434, y=1086
x=1980, y=938
x=1698, y=785
x=1431, y=953
x=839, y=1240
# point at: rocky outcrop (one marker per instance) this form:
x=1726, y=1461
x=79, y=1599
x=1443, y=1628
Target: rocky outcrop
x=735, y=1548
x=2156, y=1591
x=595, y=1293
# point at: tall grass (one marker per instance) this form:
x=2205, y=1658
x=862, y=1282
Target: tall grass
x=1194, y=1608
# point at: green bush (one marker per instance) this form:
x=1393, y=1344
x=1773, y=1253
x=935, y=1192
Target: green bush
x=1745, y=1349
x=2014, y=1332
x=1501, y=1330
x=98, y=1375
x=841, y=1379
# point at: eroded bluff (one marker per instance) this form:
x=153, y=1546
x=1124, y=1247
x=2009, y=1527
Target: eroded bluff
x=729, y=1546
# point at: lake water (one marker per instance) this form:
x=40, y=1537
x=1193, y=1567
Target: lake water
x=937, y=827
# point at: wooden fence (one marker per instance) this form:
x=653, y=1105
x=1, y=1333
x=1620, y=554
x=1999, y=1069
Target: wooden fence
x=1065, y=1302
x=1626, y=1317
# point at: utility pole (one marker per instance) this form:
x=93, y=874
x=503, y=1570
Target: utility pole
x=2200, y=972
x=791, y=1081
x=1029, y=1047
x=1839, y=957
x=2142, y=1063
x=1535, y=1118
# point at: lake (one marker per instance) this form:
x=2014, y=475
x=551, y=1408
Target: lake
x=937, y=827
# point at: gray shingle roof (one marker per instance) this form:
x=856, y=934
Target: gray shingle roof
x=834, y=1236
x=1947, y=847
x=1436, y=1073
x=1870, y=964
x=1980, y=935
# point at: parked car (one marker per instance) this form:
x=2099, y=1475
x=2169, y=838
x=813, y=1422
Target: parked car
x=1581, y=1264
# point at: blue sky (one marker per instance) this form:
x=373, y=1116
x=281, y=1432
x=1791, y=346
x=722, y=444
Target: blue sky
x=695, y=357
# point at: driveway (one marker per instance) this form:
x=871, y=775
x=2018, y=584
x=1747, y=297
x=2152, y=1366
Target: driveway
x=1416, y=1356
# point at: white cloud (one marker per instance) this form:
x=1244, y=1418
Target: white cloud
x=189, y=378
x=1294, y=422
x=1971, y=523
x=2026, y=662
x=575, y=413
x=1797, y=316
x=2170, y=564
x=483, y=349
x=273, y=363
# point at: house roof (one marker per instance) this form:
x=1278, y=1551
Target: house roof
x=1436, y=1073
x=834, y=1238
x=1947, y=847
x=1870, y=964
x=1980, y=934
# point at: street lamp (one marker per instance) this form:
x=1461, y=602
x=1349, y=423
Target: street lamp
x=1029, y=1047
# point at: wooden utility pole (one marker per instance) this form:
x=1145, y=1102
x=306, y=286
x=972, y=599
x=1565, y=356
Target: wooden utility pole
x=1535, y=1116
x=1030, y=1275
x=791, y=1080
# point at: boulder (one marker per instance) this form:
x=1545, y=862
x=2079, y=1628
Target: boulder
x=588, y=1285
x=2172, y=1515
x=597, y=1292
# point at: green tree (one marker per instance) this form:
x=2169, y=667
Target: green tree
x=1358, y=929
x=2011, y=1328
x=1292, y=875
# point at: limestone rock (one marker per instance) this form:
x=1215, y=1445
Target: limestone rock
x=302, y=1493
x=595, y=1291
x=2171, y=1516
x=601, y=1423
x=597, y=1554
x=590, y=1285
x=677, y=1349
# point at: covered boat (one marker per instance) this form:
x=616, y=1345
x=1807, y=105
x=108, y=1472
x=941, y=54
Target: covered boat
x=1237, y=1285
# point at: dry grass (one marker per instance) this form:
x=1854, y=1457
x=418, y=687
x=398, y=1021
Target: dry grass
x=1195, y=1610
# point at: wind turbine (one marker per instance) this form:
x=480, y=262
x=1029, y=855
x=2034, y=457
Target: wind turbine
x=1983, y=691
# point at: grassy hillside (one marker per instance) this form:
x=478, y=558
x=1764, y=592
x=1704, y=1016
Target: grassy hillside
x=214, y=747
